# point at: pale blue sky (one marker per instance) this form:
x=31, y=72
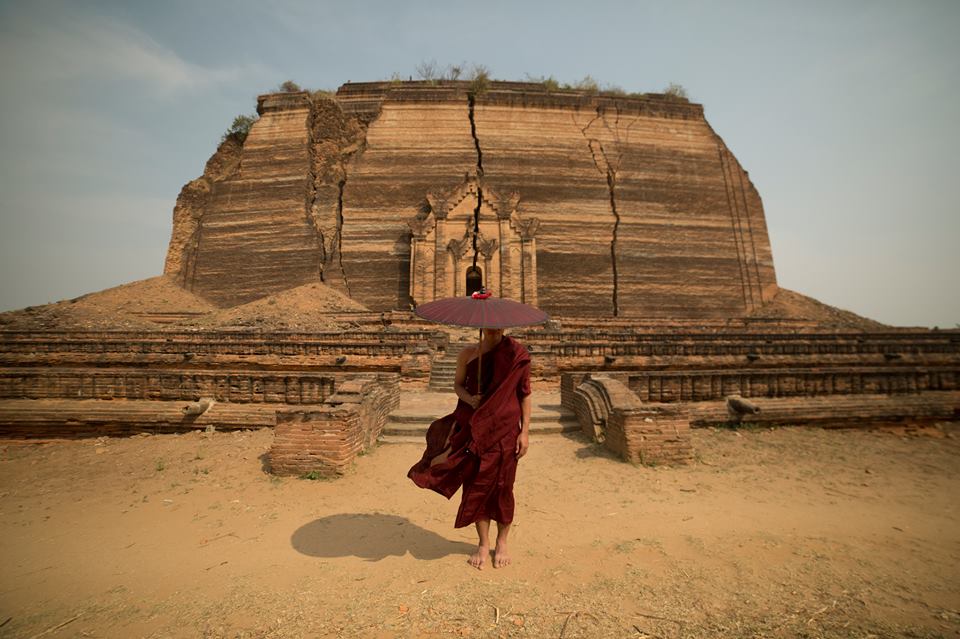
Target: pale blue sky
x=844, y=113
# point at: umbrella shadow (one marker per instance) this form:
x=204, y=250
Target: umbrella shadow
x=372, y=536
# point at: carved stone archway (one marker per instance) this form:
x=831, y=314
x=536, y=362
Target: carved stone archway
x=441, y=244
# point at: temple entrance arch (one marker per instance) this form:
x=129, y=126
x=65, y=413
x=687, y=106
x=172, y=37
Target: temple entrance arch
x=444, y=236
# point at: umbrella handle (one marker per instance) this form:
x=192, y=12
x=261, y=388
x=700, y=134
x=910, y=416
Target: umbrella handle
x=480, y=365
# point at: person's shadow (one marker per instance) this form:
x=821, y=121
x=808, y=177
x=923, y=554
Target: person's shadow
x=372, y=536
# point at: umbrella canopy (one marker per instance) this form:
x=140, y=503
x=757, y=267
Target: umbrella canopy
x=481, y=310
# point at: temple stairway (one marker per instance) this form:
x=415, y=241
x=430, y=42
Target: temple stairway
x=409, y=423
x=444, y=368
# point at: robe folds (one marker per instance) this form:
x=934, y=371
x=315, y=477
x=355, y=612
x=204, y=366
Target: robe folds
x=482, y=442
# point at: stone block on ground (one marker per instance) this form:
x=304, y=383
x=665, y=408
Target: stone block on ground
x=611, y=414
x=323, y=441
x=326, y=440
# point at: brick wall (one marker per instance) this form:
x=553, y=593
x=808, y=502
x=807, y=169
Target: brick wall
x=408, y=352
x=277, y=387
x=836, y=411
x=610, y=413
x=651, y=434
x=910, y=355
x=694, y=385
x=374, y=397
x=326, y=440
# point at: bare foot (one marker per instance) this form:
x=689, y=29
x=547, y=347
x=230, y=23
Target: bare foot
x=479, y=558
x=501, y=558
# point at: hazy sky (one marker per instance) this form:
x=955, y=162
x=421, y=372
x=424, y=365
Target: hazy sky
x=844, y=113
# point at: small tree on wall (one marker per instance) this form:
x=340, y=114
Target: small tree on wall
x=676, y=91
x=479, y=77
x=428, y=70
x=240, y=128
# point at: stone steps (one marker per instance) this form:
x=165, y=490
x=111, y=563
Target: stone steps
x=539, y=424
x=416, y=433
x=442, y=382
x=409, y=423
x=443, y=370
x=418, y=439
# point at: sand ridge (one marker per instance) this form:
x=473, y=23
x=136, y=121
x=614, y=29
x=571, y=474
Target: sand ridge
x=313, y=305
x=128, y=306
x=160, y=302
x=790, y=305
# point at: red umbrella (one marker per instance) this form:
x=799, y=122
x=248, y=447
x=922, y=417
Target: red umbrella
x=481, y=310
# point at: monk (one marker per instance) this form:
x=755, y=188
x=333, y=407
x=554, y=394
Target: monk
x=479, y=444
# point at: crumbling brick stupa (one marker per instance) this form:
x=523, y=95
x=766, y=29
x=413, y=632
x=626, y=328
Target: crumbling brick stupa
x=587, y=205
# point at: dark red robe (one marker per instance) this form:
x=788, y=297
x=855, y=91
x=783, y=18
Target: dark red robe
x=482, y=457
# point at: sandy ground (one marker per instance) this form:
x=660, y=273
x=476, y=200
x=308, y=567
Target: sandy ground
x=772, y=533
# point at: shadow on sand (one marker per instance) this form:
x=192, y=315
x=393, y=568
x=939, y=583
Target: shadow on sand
x=372, y=536
x=589, y=448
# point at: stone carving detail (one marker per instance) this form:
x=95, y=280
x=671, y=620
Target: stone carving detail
x=487, y=248
x=507, y=205
x=526, y=228
x=505, y=244
x=438, y=205
x=421, y=226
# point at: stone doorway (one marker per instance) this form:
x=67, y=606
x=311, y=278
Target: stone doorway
x=474, y=279
x=444, y=234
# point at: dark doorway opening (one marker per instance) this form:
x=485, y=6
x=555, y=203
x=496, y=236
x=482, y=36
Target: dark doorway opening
x=474, y=280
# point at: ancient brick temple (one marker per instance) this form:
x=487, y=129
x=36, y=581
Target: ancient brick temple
x=587, y=205
x=626, y=218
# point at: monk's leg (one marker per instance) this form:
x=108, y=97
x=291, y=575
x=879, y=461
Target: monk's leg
x=447, y=449
x=505, y=503
x=442, y=457
x=478, y=558
x=501, y=555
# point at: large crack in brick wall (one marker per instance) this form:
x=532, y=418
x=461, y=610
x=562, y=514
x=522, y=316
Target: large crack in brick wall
x=471, y=103
x=609, y=172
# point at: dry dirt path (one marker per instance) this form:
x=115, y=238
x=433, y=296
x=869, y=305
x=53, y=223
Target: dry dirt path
x=772, y=533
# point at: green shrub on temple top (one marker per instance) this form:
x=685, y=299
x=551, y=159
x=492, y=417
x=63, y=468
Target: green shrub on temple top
x=240, y=128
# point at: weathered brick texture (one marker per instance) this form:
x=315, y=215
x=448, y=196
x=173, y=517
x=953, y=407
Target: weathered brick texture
x=614, y=347
x=89, y=383
x=324, y=440
x=651, y=434
x=374, y=397
x=837, y=411
x=598, y=205
x=65, y=419
x=407, y=351
x=613, y=415
x=294, y=387
x=328, y=439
